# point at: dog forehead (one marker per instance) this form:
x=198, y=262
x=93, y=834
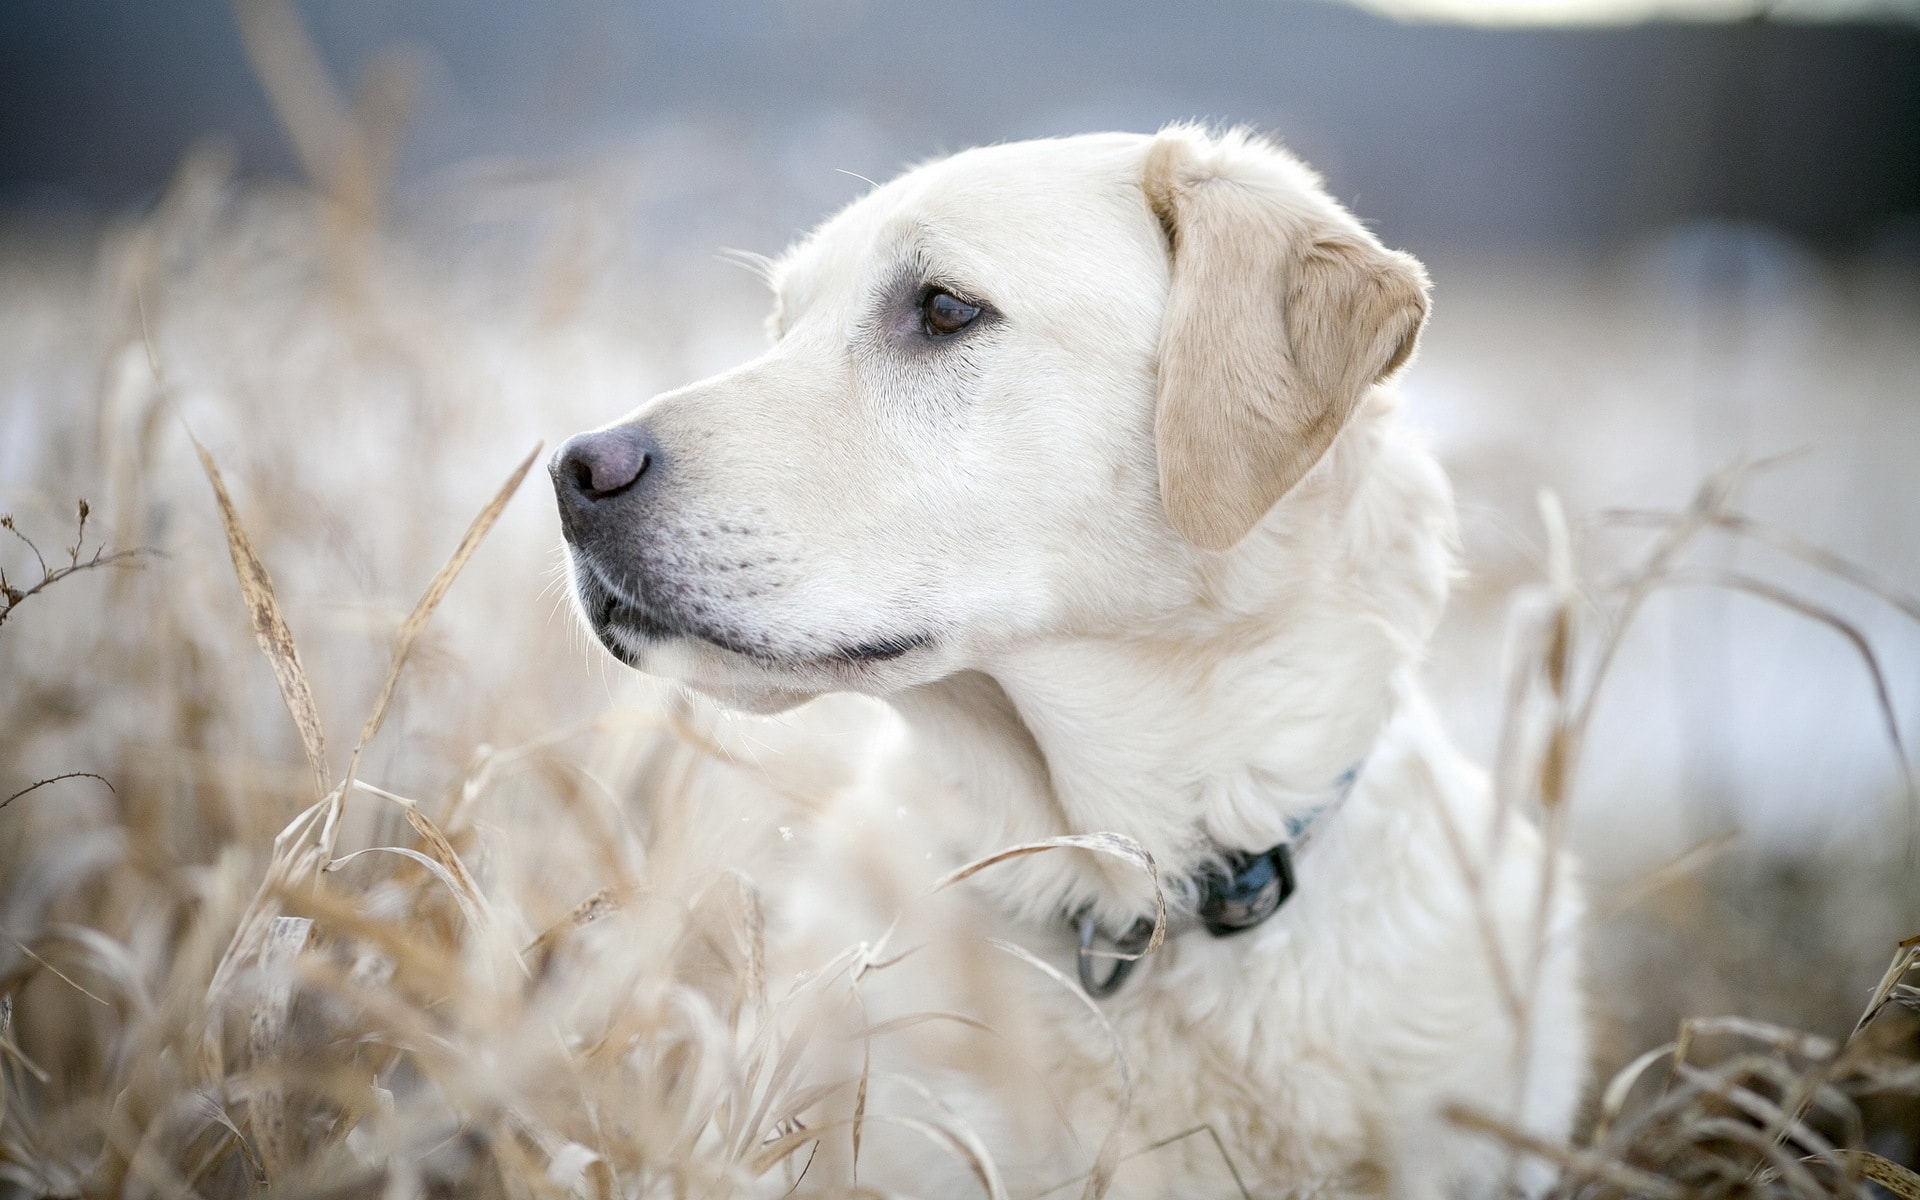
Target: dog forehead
x=1016, y=203
x=1045, y=179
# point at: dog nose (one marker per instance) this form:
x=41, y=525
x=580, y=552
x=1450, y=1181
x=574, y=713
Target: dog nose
x=605, y=463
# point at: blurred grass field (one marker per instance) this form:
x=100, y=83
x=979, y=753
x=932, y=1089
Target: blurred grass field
x=552, y=989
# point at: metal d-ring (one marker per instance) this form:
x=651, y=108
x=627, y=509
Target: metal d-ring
x=1131, y=945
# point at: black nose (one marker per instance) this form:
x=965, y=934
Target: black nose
x=605, y=463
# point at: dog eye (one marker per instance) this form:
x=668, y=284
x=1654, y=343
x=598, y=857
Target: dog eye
x=944, y=314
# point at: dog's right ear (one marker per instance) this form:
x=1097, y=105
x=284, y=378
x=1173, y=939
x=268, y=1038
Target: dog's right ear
x=1282, y=311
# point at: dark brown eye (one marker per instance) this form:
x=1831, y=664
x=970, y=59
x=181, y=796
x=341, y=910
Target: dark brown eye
x=945, y=314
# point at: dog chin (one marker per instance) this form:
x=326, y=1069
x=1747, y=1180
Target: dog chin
x=751, y=672
x=720, y=676
x=768, y=685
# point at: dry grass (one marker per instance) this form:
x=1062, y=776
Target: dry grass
x=505, y=948
x=1766, y=1110
x=510, y=943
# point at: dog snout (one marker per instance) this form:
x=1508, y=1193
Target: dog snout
x=603, y=465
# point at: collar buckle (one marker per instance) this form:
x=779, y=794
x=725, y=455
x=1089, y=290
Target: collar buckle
x=1245, y=890
x=1251, y=889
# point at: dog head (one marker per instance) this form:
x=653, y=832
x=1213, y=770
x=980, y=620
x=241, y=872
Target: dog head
x=1029, y=391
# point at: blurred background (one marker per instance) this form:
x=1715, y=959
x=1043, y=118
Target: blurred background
x=382, y=249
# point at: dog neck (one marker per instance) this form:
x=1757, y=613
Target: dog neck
x=1210, y=731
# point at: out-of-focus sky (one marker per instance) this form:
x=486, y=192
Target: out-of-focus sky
x=1621, y=12
x=1441, y=132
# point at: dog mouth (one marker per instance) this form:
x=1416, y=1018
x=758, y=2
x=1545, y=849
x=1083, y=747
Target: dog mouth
x=622, y=625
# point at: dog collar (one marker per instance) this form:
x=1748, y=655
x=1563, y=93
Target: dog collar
x=1236, y=895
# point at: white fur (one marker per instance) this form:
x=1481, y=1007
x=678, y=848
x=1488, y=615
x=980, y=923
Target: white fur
x=1087, y=669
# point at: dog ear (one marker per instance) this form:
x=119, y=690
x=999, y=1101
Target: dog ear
x=1282, y=311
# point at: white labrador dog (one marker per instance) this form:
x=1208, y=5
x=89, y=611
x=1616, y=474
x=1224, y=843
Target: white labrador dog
x=1078, y=452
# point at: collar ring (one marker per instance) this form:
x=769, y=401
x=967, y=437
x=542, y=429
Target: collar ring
x=1128, y=947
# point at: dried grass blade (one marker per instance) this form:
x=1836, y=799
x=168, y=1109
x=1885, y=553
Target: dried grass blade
x=1213, y=1135
x=802, y=1177
x=791, y=1052
x=961, y=1147
x=449, y=858
x=269, y=626
x=753, y=937
x=295, y=80
x=266, y=1036
x=424, y=960
x=468, y=891
x=111, y=960
x=1711, y=498
x=594, y=907
x=8, y=1048
x=860, y=1100
x=1777, y=1037
x=1781, y=1122
x=1883, y=695
x=1614, y=1100
x=1108, y=1156
x=1905, y=959
x=1888, y=1174
x=1789, y=544
x=1581, y=1163
x=388, y=1016
x=475, y=916
x=958, y=1131
x=1740, y=1133
x=775, y=1150
x=910, y=1020
x=430, y=599
x=215, y=1114
x=1662, y=875
x=1113, y=845
x=293, y=859
x=54, y=971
